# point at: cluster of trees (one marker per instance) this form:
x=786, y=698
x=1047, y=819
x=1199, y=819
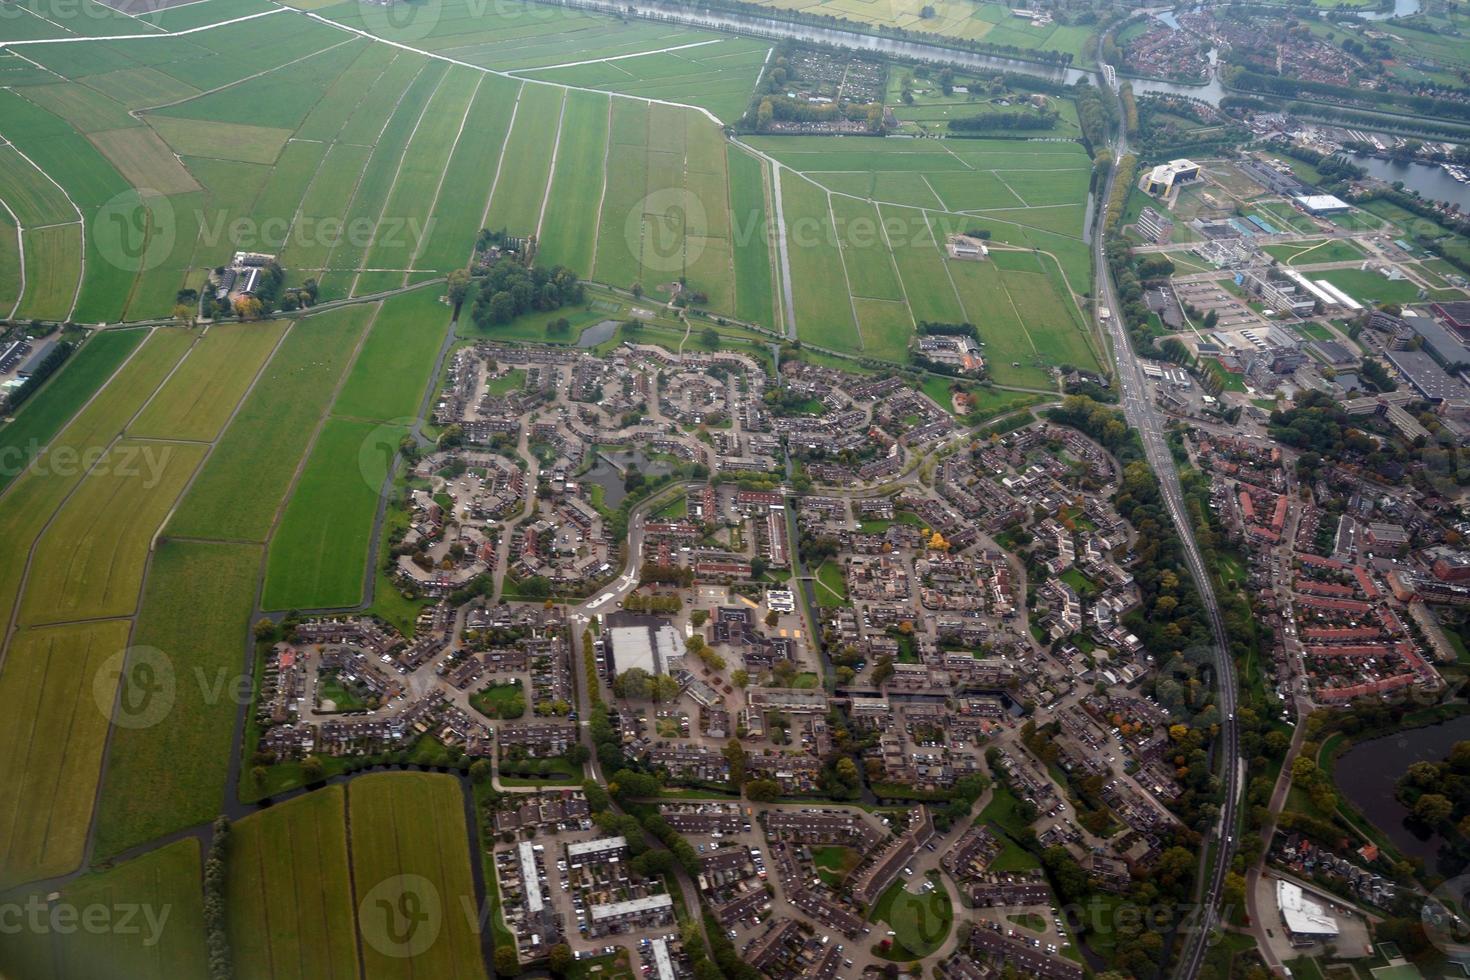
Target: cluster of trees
x=1401, y=102
x=1096, y=111
x=779, y=108
x=637, y=684
x=655, y=574
x=1317, y=425
x=641, y=603
x=510, y=289
x=1019, y=119
x=216, y=926
x=1438, y=793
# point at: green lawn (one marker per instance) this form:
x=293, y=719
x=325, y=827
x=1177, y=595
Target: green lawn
x=834, y=863
x=1370, y=287
x=500, y=700
x=832, y=584
x=920, y=923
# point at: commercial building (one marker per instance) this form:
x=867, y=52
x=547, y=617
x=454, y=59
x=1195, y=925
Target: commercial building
x=1323, y=204
x=1162, y=180
x=1306, y=920
x=1427, y=377
x=646, y=642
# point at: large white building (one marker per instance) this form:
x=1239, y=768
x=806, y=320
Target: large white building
x=1306, y=920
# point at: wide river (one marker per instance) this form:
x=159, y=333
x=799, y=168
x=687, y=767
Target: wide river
x=1368, y=772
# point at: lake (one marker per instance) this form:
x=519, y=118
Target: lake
x=1368, y=772
x=1429, y=180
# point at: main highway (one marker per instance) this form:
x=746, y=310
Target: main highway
x=1144, y=416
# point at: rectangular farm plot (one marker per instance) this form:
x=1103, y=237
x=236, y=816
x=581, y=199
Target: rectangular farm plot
x=164, y=880
x=525, y=171
x=391, y=841
x=196, y=609
x=920, y=260
x=823, y=305
x=1011, y=354
x=375, y=183
x=346, y=92
x=51, y=738
x=85, y=107
x=241, y=487
x=569, y=229
x=35, y=494
x=10, y=277
x=1043, y=185
x=972, y=191
x=221, y=140
x=865, y=250
x=382, y=99
x=388, y=381
x=402, y=226
x=316, y=227
x=750, y=238
x=619, y=227
x=35, y=200
x=290, y=902
x=197, y=401
x=886, y=327
x=53, y=268
x=318, y=556
x=455, y=221
x=89, y=562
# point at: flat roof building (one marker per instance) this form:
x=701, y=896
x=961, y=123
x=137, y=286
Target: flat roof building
x=1303, y=917
x=1427, y=377
x=615, y=911
x=646, y=642
x=1323, y=203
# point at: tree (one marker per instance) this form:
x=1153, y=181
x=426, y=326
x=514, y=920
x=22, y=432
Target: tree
x=312, y=769
x=1433, y=808
x=762, y=790
x=711, y=337
x=458, y=286
x=740, y=677
x=560, y=959
x=637, y=290
x=265, y=631
x=481, y=770
x=507, y=963
x=772, y=618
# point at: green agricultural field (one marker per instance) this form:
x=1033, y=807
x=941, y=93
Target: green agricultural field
x=291, y=909
x=922, y=265
x=33, y=497
x=391, y=840
x=195, y=610
x=241, y=487
x=824, y=314
x=455, y=222
x=198, y=399
x=53, y=268
x=88, y=563
x=387, y=383
x=525, y=171
x=755, y=297
x=10, y=262
x=45, y=412
x=420, y=180
x=51, y=738
x=162, y=935
x=576, y=186
x=319, y=553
